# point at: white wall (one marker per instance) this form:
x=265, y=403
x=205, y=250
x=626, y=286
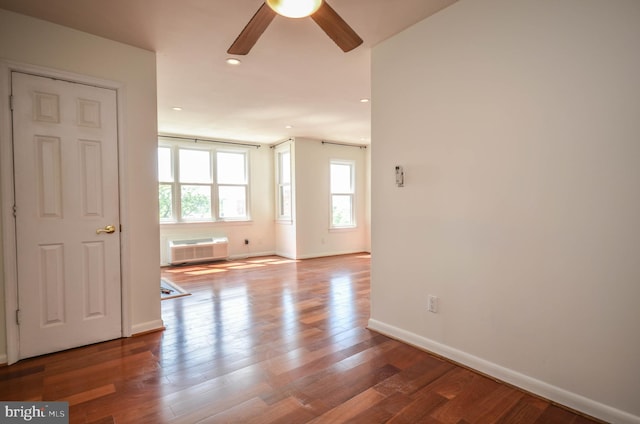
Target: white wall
x=259, y=230
x=314, y=238
x=35, y=42
x=518, y=124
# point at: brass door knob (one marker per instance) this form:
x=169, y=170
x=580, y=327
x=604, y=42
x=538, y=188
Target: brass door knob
x=108, y=229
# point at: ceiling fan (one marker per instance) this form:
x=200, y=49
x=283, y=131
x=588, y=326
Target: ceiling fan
x=320, y=11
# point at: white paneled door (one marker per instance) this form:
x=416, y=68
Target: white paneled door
x=67, y=213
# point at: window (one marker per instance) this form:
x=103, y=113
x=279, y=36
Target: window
x=165, y=177
x=202, y=183
x=342, y=194
x=195, y=184
x=284, y=185
x=232, y=185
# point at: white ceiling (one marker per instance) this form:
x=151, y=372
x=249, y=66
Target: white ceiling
x=295, y=75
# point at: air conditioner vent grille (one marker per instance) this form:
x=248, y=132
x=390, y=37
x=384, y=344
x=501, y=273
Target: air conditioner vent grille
x=198, y=250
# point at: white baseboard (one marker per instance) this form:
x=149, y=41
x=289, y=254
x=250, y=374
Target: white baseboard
x=146, y=327
x=232, y=257
x=251, y=255
x=537, y=387
x=327, y=254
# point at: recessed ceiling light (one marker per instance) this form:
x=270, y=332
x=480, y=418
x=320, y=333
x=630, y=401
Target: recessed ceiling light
x=364, y=100
x=289, y=127
x=176, y=108
x=233, y=61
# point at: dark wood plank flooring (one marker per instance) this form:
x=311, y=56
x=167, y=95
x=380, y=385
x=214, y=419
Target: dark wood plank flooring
x=269, y=340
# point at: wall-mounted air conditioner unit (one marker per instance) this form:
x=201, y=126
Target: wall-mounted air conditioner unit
x=198, y=250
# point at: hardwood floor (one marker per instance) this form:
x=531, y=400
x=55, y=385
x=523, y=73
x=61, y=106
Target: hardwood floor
x=269, y=340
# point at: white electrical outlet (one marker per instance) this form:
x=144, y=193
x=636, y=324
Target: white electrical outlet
x=432, y=304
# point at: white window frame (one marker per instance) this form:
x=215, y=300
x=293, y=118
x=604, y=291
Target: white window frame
x=282, y=185
x=351, y=194
x=245, y=184
x=170, y=183
x=176, y=185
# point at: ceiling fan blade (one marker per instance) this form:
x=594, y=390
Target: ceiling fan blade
x=336, y=28
x=252, y=32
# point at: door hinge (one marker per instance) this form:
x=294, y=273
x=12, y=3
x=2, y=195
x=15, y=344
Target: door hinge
x=15, y=211
x=18, y=316
x=11, y=101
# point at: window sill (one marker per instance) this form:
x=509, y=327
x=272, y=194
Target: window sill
x=343, y=229
x=205, y=223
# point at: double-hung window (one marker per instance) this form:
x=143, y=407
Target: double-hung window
x=196, y=183
x=202, y=183
x=284, y=185
x=166, y=183
x=342, y=194
x=232, y=184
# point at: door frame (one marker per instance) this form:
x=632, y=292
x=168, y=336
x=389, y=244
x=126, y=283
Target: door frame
x=9, y=266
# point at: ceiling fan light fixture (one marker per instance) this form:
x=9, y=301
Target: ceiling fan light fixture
x=294, y=8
